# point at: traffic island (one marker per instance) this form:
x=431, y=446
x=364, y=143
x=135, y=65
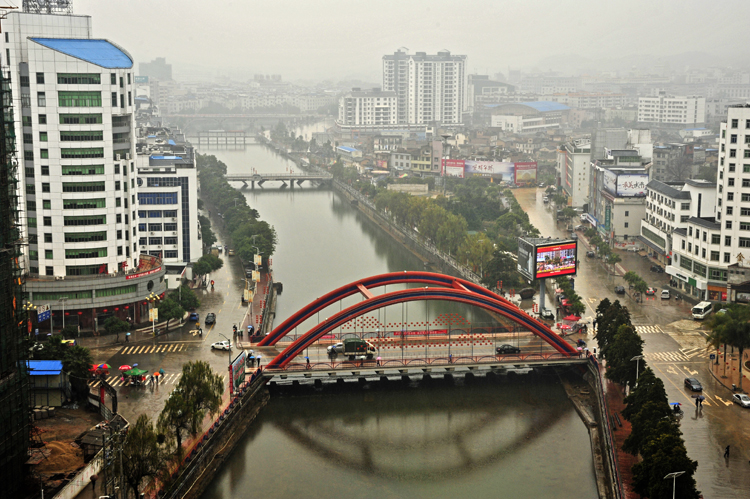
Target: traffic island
x=726, y=370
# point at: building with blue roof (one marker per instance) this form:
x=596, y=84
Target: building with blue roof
x=48, y=382
x=76, y=94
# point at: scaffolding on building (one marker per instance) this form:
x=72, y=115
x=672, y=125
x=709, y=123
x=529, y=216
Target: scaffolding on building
x=14, y=379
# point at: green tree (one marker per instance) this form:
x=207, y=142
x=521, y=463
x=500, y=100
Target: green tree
x=69, y=332
x=608, y=323
x=207, y=235
x=730, y=328
x=113, y=325
x=662, y=455
x=142, y=456
x=185, y=297
x=169, y=309
x=626, y=345
x=502, y=268
x=198, y=393
x=631, y=277
x=201, y=268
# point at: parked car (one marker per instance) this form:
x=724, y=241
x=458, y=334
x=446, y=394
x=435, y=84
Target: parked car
x=194, y=316
x=657, y=268
x=665, y=294
x=742, y=399
x=221, y=345
x=573, y=235
x=693, y=384
x=650, y=291
x=210, y=319
x=591, y=254
x=545, y=200
x=506, y=349
x=583, y=217
x=634, y=249
x=580, y=227
x=620, y=290
x=231, y=252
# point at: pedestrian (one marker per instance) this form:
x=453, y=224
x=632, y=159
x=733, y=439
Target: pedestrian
x=127, y=337
x=450, y=358
x=308, y=362
x=157, y=378
x=697, y=402
x=258, y=357
x=593, y=326
x=378, y=359
x=726, y=453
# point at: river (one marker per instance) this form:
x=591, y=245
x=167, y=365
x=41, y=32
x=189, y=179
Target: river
x=518, y=439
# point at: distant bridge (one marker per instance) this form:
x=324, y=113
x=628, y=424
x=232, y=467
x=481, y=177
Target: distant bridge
x=284, y=178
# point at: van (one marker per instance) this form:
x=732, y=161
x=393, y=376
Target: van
x=701, y=310
x=665, y=294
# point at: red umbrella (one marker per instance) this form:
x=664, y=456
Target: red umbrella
x=564, y=326
x=572, y=318
x=125, y=368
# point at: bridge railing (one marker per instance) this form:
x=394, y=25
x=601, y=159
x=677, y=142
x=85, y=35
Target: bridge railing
x=448, y=361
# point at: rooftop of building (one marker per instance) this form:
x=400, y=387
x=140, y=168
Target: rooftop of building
x=371, y=92
x=545, y=106
x=706, y=222
x=102, y=53
x=699, y=182
x=347, y=149
x=671, y=189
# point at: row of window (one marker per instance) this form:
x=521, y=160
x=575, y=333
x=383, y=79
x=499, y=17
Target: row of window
x=143, y=241
x=86, y=253
x=157, y=214
x=702, y=270
x=156, y=227
x=76, y=78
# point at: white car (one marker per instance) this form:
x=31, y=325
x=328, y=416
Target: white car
x=336, y=348
x=742, y=399
x=221, y=345
x=548, y=314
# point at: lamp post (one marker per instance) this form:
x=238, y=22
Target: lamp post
x=63, y=309
x=235, y=202
x=673, y=476
x=152, y=299
x=230, y=350
x=637, y=359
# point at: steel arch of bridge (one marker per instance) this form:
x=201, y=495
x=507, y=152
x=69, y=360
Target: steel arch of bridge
x=452, y=289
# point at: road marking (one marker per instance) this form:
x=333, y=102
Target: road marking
x=695, y=352
x=692, y=373
x=666, y=357
x=652, y=329
x=726, y=402
x=592, y=300
x=671, y=370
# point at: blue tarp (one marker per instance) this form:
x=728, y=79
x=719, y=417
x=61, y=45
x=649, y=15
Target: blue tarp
x=166, y=157
x=45, y=367
x=99, y=52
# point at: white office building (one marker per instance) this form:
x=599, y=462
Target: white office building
x=573, y=166
x=429, y=88
x=74, y=100
x=368, y=109
x=672, y=111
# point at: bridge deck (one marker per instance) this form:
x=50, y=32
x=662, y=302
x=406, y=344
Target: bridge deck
x=437, y=366
x=288, y=177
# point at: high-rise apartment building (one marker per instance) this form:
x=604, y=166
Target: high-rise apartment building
x=429, y=88
x=367, y=108
x=75, y=100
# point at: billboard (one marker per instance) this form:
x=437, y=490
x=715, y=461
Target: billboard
x=490, y=168
x=237, y=372
x=610, y=181
x=454, y=171
x=526, y=262
x=632, y=185
x=556, y=259
x=525, y=173
x=453, y=164
x=141, y=79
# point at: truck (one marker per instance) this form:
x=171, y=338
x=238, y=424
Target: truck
x=354, y=348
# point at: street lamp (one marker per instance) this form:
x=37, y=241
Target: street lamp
x=673, y=476
x=235, y=202
x=152, y=299
x=637, y=359
x=230, y=350
x=63, y=307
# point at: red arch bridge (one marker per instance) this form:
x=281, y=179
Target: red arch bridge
x=436, y=287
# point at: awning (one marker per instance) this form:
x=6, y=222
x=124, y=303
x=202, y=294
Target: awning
x=651, y=245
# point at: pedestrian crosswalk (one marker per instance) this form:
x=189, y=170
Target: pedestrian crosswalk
x=161, y=348
x=648, y=329
x=166, y=379
x=683, y=355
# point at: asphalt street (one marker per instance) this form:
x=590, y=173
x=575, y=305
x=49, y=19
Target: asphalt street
x=674, y=350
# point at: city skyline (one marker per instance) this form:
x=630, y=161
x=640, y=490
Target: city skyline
x=303, y=41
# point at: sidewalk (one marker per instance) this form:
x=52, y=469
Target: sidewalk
x=136, y=336
x=727, y=371
x=625, y=461
x=254, y=314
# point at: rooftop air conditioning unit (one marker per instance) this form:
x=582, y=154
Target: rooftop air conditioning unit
x=152, y=233
x=117, y=157
x=59, y=277
x=127, y=155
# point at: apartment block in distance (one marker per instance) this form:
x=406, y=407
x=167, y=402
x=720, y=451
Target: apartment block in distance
x=367, y=109
x=75, y=98
x=669, y=110
x=429, y=88
x=573, y=164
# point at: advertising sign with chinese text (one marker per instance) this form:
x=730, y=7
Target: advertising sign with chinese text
x=632, y=185
x=556, y=259
x=490, y=169
x=237, y=372
x=454, y=164
x=610, y=181
x=526, y=173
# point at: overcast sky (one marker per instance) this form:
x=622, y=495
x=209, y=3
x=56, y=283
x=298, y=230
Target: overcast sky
x=343, y=39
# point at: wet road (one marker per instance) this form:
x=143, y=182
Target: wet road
x=674, y=353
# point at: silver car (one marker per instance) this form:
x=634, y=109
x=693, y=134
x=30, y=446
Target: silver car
x=742, y=399
x=221, y=345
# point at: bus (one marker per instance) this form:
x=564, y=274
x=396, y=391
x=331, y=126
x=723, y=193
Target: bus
x=701, y=310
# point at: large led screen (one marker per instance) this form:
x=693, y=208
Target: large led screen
x=556, y=259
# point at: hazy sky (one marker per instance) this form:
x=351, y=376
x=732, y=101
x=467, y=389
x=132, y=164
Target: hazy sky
x=338, y=39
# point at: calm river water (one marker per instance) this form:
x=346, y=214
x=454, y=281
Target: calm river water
x=508, y=439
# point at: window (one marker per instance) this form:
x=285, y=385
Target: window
x=746, y=154
x=83, y=187
x=78, y=78
x=686, y=263
x=113, y=79
x=703, y=253
x=685, y=206
x=42, y=136
x=143, y=241
x=715, y=239
x=86, y=220
x=744, y=225
x=730, y=210
x=705, y=233
x=85, y=237
x=47, y=237
x=44, y=153
x=31, y=222
x=735, y=123
x=48, y=221
x=25, y=81
x=79, y=99
x=122, y=101
x=142, y=227
x=726, y=257
x=45, y=187
x=40, y=78
x=744, y=242
x=118, y=202
x=26, y=120
x=128, y=78
x=122, y=290
x=90, y=152
x=690, y=247
x=714, y=256
x=731, y=167
x=119, y=250
x=130, y=99
x=727, y=240
x=88, y=270
x=30, y=189
x=42, y=119
x=33, y=255
x=170, y=254
x=170, y=213
x=627, y=214
x=626, y=225
x=733, y=138
x=730, y=196
x=122, y=82
x=30, y=205
x=717, y=274
x=48, y=255
x=733, y=153
x=80, y=119
x=46, y=204
x=157, y=198
x=83, y=169
x=119, y=234
x=117, y=185
x=683, y=244
x=170, y=240
x=154, y=227
x=728, y=224
x=730, y=182
x=154, y=240
x=81, y=136
x=690, y=231
x=41, y=99
x=700, y=269
x=117, y=169
x=170, y=227
x=84, y=204
x=86, y=253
